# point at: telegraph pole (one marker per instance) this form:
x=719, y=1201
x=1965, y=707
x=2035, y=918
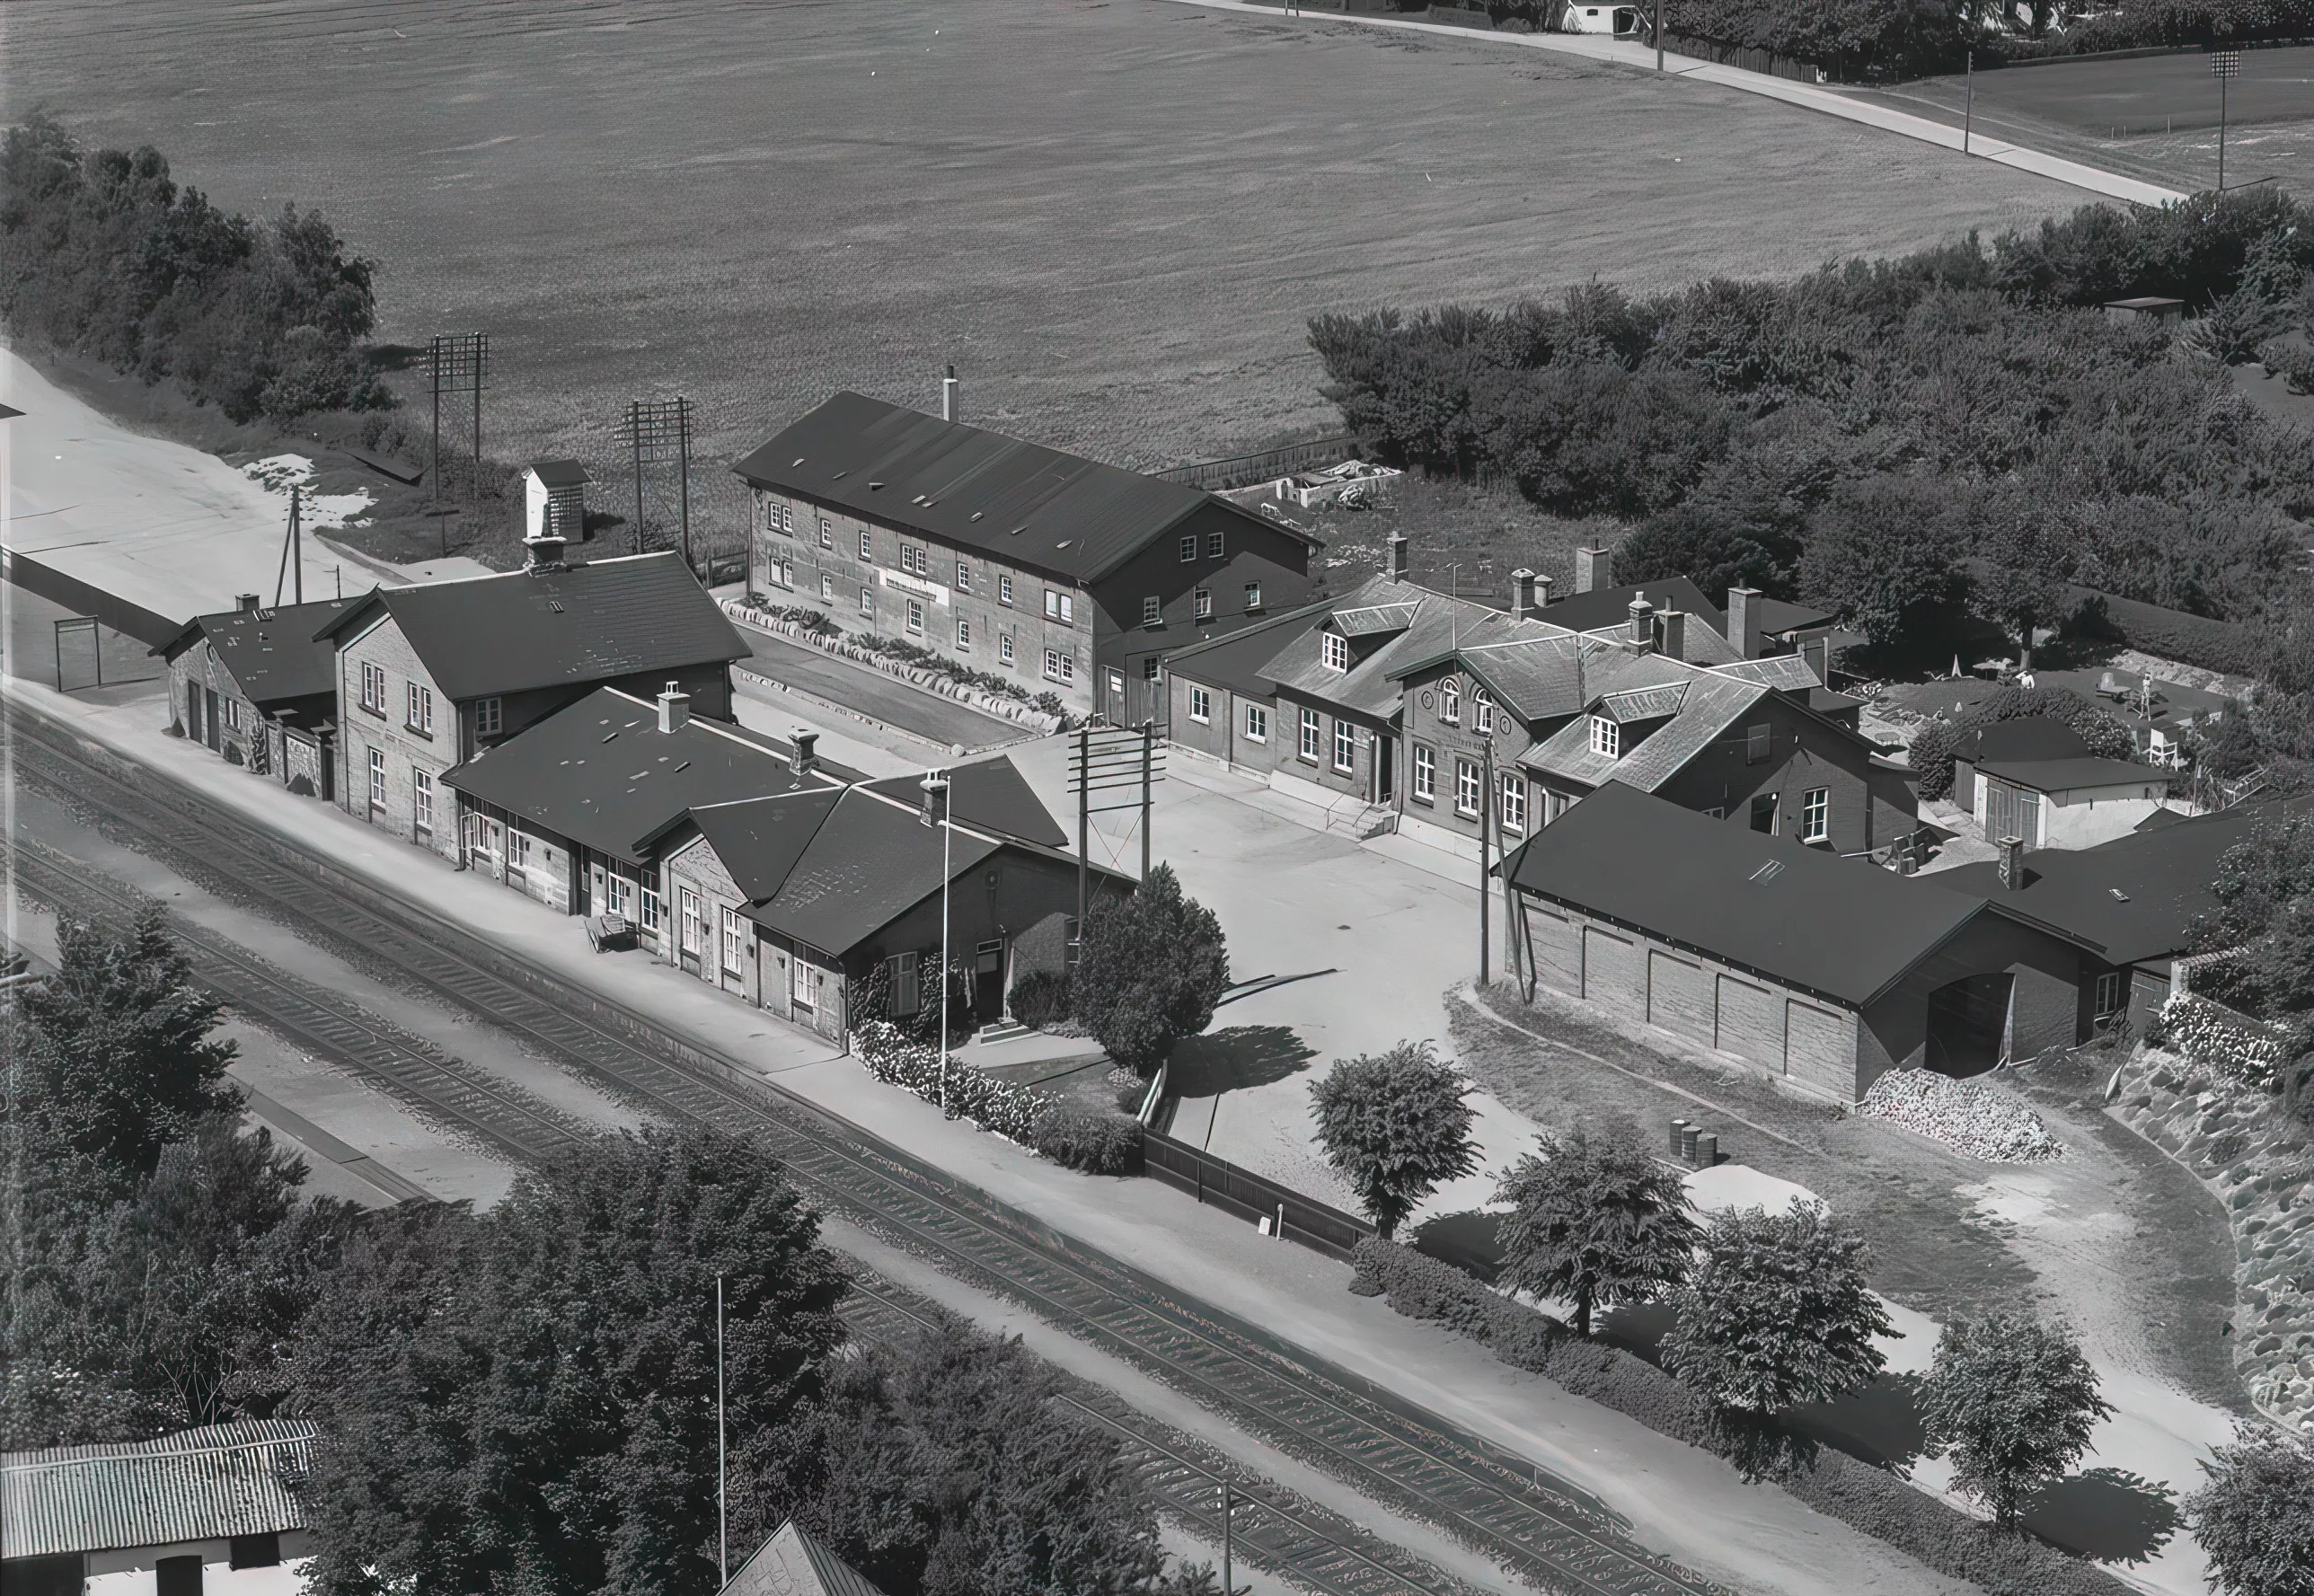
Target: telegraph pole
x=1969, y=115
x=722, y=1519
x=1084, y=828
x=1148, y=736
x=1486, y=813
x=1226, y=1547
x=935, y=785
x=1659, y=47
x=297, y=550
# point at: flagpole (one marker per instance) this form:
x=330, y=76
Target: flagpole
x=723, y=1520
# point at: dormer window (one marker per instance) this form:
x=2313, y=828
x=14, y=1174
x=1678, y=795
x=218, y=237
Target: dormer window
x=1482, y=711
x=1335, y=649
x=1606, y=738
x=1450, y=703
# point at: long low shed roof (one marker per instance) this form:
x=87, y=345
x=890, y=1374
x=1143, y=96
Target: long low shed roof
x=207, y=1483
x=1841, y=927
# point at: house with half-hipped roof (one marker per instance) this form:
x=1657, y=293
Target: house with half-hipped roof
x=1397, y=707
x=257, y=687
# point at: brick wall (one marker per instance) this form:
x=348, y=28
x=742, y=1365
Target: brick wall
x=1803, y=755
x=826, y=573
x=401, y=752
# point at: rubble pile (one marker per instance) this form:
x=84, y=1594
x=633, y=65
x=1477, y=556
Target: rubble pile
x=1968, y=1116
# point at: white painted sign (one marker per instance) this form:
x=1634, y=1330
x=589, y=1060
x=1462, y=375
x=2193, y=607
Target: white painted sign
x=915, y=585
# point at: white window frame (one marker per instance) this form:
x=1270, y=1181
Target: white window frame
x=826, y=589
x=735, y=943
x=1189, y=550
x=1004, y=590
x=1203, y=601
x=688, y=927
x=1482, y=711
x=867, y=549
x=1467, y=784
x=964, y=634
x=1511, y=802
x=2111, y=996
x=377, y=780
x=799, y=986
x=421, y=799
x=827, y=532
x=1257, y=723
x=1345, y=745
x=421, y=710
x=1214, y=545
x=1309, y=743
x=373, y=687
x=1816, y=814
x=1004, y=647
x=1450, y=703
x=1153, y=610
x=1606, y=738
x=916, y=616
x=1252, y=597
x=650, y=918
x=489, y=716
x=964, y=576
x=1333, y=651
x=868, y=602
x=1201, y=706
x=1425, y=772
x=1060, y=666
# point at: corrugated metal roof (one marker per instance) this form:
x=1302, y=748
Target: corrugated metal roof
x=1019, y=501
x=796, y=1563
x=198, y=1485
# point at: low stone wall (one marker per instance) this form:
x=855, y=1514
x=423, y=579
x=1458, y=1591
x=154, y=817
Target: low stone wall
x=2229, y=1138
x=932, y=681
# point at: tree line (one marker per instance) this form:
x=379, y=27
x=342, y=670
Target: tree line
x=521, y=1399
x=1772, y=1310
x=103, y=254
x=1897, y=437
x=1880, y=40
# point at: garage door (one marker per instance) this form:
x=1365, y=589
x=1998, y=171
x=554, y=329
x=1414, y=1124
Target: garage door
x=1679, y=996
x=1820, y=1048
x=1613, y=974
x=1558, y=950
x=1751, y=1023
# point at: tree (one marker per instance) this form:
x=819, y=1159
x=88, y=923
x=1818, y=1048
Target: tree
x=947, y=1464
x=2254, y=1518
x=2261, y=911
x=1150, y=969
x=1714, y=543
x=116, y=1058
x=1395, y=1124
x=1776, y=1312
x=528, y=1400
x=1883, y=553
x=1596, y=1221
x=2013, y=1400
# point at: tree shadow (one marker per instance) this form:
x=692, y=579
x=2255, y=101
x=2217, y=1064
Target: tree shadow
x=1468, y=1240
x=1237, y=1059
x=2109, y=1515
x=1879, y=1425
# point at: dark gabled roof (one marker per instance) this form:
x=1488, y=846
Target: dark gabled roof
x=590, y=622
x=1612, y=606
x=796, y=1563
x=759, y=839
x=559, y=473
x=2027, y=737
x=207, y=1483
x=1021, y=502
x=273, y=654
x=2163, y=875
x=991, y=794
x=1779, y=618
x=603, y=775
x=1235, y=660
x=2065, y=775
x=870, y=862
x=1841, y=927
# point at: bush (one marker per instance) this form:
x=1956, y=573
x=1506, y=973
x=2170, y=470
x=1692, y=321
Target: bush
x=1003, y=1107
x=1040, y=998
x=1095, y=1143
x=1934, y=744
x=1856, y=40
x=232, y=754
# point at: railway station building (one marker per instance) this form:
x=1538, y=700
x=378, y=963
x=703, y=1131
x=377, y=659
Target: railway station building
x=258, y=683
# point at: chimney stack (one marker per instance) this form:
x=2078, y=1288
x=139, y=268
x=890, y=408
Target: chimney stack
x=2012, y=864
x=246, y=603
x=802, y=759
x=1642, y=633
x=543, y=551
x=1672, y=628
x=1744, y=620
x=1523, y=604
x=1399, y=562
x=674, y=708
x=1586, y=569
x=1542, y=593
x=951, y=391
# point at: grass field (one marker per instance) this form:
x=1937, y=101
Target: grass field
x=1116, y=215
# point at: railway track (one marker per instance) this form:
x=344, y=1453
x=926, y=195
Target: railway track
x=1491, y=1500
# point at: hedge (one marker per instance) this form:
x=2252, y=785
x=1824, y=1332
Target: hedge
x=1864, y=1497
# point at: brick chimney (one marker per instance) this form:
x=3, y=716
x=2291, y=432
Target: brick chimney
x=1586, y=569
x=246, y=603
x=1399, y=562
x=2012, y=864
x=1744, y=620
x=1542, y=593
x=542, y=551
x=1641, y=636
x=1523, y=604
x=1671, y=628
x=803, y=757
x=951, y=395
x=674, y=708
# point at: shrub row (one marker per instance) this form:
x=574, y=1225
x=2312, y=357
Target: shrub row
x=1075, y=1138
x=2221, y=1039
x=1871, y=1499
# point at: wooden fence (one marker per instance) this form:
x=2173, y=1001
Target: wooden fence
x=1748, y=60
x=1244, y=471
x=1250, y=1197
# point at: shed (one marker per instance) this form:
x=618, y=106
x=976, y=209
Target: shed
x=2066, y=803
